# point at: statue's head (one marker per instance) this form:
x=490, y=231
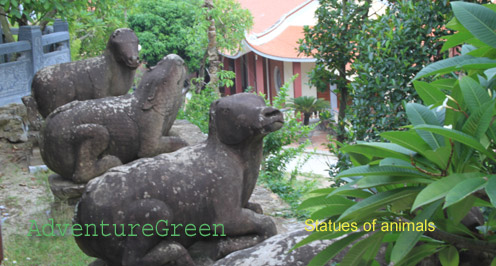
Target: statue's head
x=123, y=44
x=163, y=81
x=243, y=117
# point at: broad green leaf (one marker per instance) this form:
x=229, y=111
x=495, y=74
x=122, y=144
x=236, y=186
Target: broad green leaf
x=479, y=121
x=419, y=115
x=328, y=211
x=419, y=253
x=456, y=39
x=395, y=162
x=493, y=263
x=322, y=191
x=479, y=20
x=449, y=256
x=408, y=139
x=473, y=94
x=323, y=200
x=319, y=235
x=407, y=239
x=332, y=250
x=440, y=188
x=366, y=170
x=445, y=84
x=439, y=156
x=379, y=200
x=463, y=62
x=484, y=51
x=454, y=24
x=491, y=189
x=375, y=181
x=490, y=73
x=459, y=137
x=382, y=150
x=458, y=211
x=364, y=251
x=428, y=93
x=464, y=189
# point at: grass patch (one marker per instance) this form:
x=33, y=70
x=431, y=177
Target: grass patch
x=291, y=190
x=26, y=250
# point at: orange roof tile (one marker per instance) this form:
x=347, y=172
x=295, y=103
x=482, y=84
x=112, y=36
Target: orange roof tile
x=284, y=45
x=267, y=12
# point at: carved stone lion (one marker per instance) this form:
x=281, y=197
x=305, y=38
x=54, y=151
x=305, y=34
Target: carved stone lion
x=83, y=139
x=204, y=187
x=110, y=74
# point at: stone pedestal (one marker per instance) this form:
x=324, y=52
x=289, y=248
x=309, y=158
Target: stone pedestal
x=65, y=190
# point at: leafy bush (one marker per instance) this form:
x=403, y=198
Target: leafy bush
x=433, y=174
x=165, y=27
x=275, y=157
x=400, y=42
x=308, y=105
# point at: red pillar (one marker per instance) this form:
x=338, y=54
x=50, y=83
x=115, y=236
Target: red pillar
x=297, y=81
x=239, y=75
x=260, y=73
x=250, y=68
x=227, y=90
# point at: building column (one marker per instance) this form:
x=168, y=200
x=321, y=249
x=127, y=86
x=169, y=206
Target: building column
x=259, y=73
x=297, y=81
x=239, y=75
x=227, y=90
x=249, y=70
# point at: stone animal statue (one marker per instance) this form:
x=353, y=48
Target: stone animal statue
x=203, y=185
x=110, y=74
x=82, y=139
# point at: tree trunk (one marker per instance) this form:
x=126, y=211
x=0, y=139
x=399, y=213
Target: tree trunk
x=213, y=56
x=306, y=119
x=343, y=97
x=5, y=26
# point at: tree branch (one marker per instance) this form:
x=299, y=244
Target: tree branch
x=460, y=242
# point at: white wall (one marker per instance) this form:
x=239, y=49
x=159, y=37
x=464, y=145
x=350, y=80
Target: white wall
x=288, y=73
x=306, y=89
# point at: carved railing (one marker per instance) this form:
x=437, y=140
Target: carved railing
x=19, y=61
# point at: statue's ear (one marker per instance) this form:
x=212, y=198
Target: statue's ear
x=149, y=102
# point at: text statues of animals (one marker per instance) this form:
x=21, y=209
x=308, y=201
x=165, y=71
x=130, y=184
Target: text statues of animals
x=110, y=74
x=82, y=139
x=204, y=187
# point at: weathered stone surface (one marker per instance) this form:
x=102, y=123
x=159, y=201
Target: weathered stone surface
x=64, y=189
x=110, y=74
x=188, y=132
x=83, y=139
x=12, y=126
x=275, y=252
x=205, y=184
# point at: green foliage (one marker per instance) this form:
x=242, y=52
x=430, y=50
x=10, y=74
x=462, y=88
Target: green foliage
x=165, y=27
x=331, y=43
x=308, y=105
x=275, y=157
x=435, y=170
x=400, y=43
x=91, y=26
x=180, y=27
x=35, y=12
x=198, y=107
x=90, y=22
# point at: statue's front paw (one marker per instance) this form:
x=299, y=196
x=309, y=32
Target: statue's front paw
x=254, y=207
x=268, y=227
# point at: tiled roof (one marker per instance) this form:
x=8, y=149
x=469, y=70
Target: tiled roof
x=267, y=12
x=284, y=46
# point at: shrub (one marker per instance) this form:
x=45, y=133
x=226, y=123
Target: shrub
x=435, y=172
